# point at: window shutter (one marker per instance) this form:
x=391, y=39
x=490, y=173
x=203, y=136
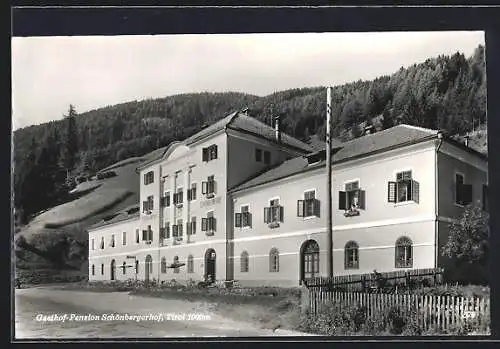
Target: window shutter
x=267, y=213
x=215, y=152
x=145, y=179
x=204, y=222
x=144, y=235
x=317, y=208
x=150, y=235
x=467, y=193
x=362, y=199
x=144, y=206
x=237, y=220
x=415, y=191
x=391, y=192
x=179, y=230
x=174, y=230
x=205, y=154
x=249, y=218
x=168, y=200
x=300, y=208
x=281, y=208
x=167, y=231
x=181, y=197
x=342, y=200
x=204, y=187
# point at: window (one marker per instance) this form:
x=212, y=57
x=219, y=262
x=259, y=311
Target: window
x=149, y=264
x=485, y=198
x=352, y=198
x=178, y=197
x=166, y=234
x=102, y=269
x=309, y=207
x=404, y=253
x=147, y=206
x=267, y=157
x=311, y=259
x=192, y=192
x=93, y=244
x=137, y=236
x=102, y=243
x=163, y=265
x=93, y=269
x=244, y=262
x=124, y=238
x=165, y=200
x=179, y=228
x=112, y=242
x=244, y=218
x=463, y=192
x=176, y=268
x=274, y=213
x=404, y=189
x=190, y=264
x=274, y=260
x=147, y=235
x=209, y=153
x=191, y=226
x=351, y=251
x=258, y=155
x=208, y=225
x=124, y=266
x=137, y=267
x=208, y=187
x=149, y=177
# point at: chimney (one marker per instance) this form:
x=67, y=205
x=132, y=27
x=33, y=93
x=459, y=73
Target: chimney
x=277, y=126
x=368, y=130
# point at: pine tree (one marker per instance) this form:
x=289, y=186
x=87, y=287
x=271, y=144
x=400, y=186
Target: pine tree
x=70, y=141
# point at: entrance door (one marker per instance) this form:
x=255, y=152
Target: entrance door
x=310, y=260
x=148, y=268
x=210, y=265
x=113, y=269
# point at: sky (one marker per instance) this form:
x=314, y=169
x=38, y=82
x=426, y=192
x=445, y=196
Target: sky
x=49, y=73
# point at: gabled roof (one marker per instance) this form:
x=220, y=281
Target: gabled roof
x=359, y=147
x=236, y=121
x=126, y=213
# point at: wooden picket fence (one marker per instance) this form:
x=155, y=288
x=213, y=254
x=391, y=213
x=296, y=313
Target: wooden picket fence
x=405, y=279
x=431, y=312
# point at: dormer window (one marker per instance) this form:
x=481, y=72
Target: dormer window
x=209, y=153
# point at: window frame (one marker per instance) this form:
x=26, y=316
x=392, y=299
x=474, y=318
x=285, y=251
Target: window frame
x=259, y=155
x=351, y=255
x=274, y=260
x=124, y=238
x=149, y=179
x=244, y=262
x=406, y=262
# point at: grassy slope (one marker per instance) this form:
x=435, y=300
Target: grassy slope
x=73, y=218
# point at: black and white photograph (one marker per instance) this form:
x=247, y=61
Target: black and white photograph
x=250, y=185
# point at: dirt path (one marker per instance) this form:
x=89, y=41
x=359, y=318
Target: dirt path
x=162, y=317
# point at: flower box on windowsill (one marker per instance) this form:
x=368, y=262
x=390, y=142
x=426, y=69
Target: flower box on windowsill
x=210, y=233
x=210, y=195
x=179, y=205
x=148, y=242
x=273, y=225
x=351, y=213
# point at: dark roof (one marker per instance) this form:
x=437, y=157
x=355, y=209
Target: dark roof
x=128, y=212
x=358, y=147
x=237, y=121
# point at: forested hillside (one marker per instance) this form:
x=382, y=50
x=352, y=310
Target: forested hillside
x=447, y=92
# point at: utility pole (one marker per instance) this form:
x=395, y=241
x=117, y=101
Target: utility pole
x=329, y=251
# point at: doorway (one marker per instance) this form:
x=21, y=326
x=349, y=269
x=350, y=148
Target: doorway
x=113, y=268
x=309, y=264
x=210, y=258
x=148, y=268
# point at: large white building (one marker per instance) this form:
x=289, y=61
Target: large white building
x=241, y=200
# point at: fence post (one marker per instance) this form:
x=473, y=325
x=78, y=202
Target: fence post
x=304, y=299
